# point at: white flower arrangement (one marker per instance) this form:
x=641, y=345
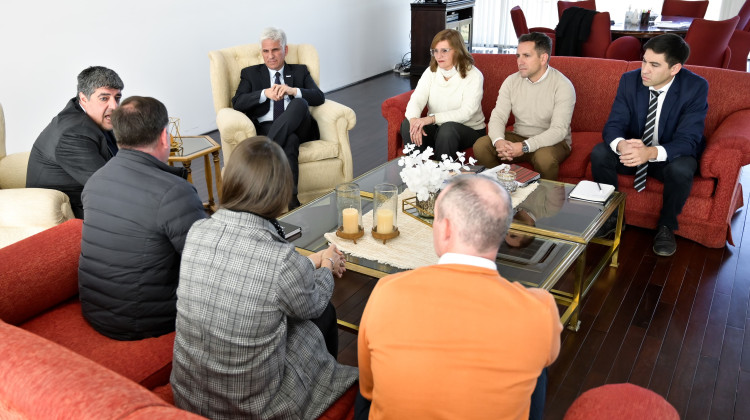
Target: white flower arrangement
x=423, y=175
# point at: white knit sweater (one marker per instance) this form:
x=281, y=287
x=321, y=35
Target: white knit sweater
x=456, y=99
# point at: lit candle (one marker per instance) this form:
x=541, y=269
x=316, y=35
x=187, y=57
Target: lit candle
x=350, y=220
x=385, y=221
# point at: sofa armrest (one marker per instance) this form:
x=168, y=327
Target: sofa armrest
x=334, y=122
x=42, y=379
x=394, y=109
x=234, y=127
x=39, y=272
x=729, y=143
x=13, y=170
x=34, y=207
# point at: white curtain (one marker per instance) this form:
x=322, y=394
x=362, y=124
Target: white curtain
x=493, y=28
x=492, y=24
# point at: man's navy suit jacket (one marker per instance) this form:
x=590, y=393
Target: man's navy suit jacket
x=256, y=78
x=682, y=118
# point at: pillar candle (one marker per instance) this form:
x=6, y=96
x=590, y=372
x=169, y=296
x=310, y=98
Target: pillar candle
x=385, y=221
x=350, y=220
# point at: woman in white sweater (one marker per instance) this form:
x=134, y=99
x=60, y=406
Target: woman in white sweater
x=452, y=89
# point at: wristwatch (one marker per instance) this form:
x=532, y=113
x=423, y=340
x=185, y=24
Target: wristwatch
x=525, y=147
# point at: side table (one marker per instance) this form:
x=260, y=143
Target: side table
x=192, y=148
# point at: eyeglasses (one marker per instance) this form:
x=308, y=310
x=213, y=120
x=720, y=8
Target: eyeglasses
x=441, y=51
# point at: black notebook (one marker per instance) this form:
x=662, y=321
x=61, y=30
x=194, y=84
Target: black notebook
x=290, y=230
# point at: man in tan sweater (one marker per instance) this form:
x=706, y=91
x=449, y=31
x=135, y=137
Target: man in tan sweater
x=542, y=101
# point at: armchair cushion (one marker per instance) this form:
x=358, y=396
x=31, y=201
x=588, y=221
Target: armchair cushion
x=13, y=170
x=312, y=151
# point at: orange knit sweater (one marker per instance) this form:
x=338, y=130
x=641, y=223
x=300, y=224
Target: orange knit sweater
x=454, y=341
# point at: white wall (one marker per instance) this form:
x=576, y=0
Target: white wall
x=160, y=48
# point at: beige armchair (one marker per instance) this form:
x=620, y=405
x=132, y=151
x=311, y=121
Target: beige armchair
x=322, y=163
x=25, y=211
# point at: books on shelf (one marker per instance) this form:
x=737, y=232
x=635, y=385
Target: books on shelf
x=592, y=191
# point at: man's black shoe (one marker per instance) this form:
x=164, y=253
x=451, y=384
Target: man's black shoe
x=664, y=242
x=610, y=226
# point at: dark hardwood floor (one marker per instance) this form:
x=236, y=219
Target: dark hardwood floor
x=678, y=326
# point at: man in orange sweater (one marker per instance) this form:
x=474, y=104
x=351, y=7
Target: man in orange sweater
x=457, y=340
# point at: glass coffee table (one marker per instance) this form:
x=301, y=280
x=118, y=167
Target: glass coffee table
x=549, y=235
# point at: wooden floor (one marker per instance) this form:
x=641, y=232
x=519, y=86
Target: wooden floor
x=678, y=326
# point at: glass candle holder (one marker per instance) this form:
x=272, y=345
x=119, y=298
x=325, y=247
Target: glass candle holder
x=508, y=180
x=385, y=209
x=349, y=207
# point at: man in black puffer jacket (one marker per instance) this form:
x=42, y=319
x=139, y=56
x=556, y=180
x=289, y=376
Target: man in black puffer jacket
x=138, y=211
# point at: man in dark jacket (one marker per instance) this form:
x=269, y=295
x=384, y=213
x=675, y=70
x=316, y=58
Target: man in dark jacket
x=276, y=96
x=79, y=140
x=138, y=213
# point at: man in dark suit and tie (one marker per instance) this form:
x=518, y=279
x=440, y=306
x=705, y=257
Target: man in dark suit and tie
x=276, y=97
x=655, y=129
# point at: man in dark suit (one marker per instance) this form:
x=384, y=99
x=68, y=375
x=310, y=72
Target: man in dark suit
x=655, y=129
x=276, y=97
x=79, y=140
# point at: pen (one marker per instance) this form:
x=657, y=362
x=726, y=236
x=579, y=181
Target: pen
x=599, y=186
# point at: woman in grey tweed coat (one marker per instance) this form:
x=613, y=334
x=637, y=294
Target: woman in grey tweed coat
x=246, y=346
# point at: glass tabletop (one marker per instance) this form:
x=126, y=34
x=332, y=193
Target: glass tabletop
x=534, y=259
x=193, y=145
x=546, y=211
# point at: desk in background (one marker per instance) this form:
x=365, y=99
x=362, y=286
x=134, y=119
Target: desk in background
x=645, y=32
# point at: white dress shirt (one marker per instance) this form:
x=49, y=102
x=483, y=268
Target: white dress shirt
x=453, y=258
x=269, y=115
x=661, y=152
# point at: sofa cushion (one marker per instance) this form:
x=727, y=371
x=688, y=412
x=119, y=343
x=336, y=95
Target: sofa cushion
x=39, y=272
x=147, y=362
x=343, y=408
x=311, y=151
x=43, y=380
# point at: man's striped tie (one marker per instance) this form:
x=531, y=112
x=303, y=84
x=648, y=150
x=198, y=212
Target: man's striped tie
x=648, y=136
x=278, y=106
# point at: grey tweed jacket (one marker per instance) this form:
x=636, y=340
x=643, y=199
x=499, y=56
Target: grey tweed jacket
x=245, y=347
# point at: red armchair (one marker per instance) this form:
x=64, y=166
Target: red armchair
x=686, y=8
x=519, y=24
x=584, y=4
x=740, y=41
x=600, y=44
x=716, y=192
x=709, y=42
x=739, y=44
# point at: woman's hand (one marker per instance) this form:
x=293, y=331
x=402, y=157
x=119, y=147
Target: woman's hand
x=335, y=259
x=416, y=128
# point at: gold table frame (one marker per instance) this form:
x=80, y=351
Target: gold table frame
x=583, y=282
x=212, y=149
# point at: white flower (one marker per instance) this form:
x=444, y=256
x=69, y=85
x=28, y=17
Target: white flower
x=423, y=175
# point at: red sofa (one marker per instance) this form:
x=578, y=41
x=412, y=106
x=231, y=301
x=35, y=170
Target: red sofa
x=43, y=380
x=42, y=329
x=716, y=192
